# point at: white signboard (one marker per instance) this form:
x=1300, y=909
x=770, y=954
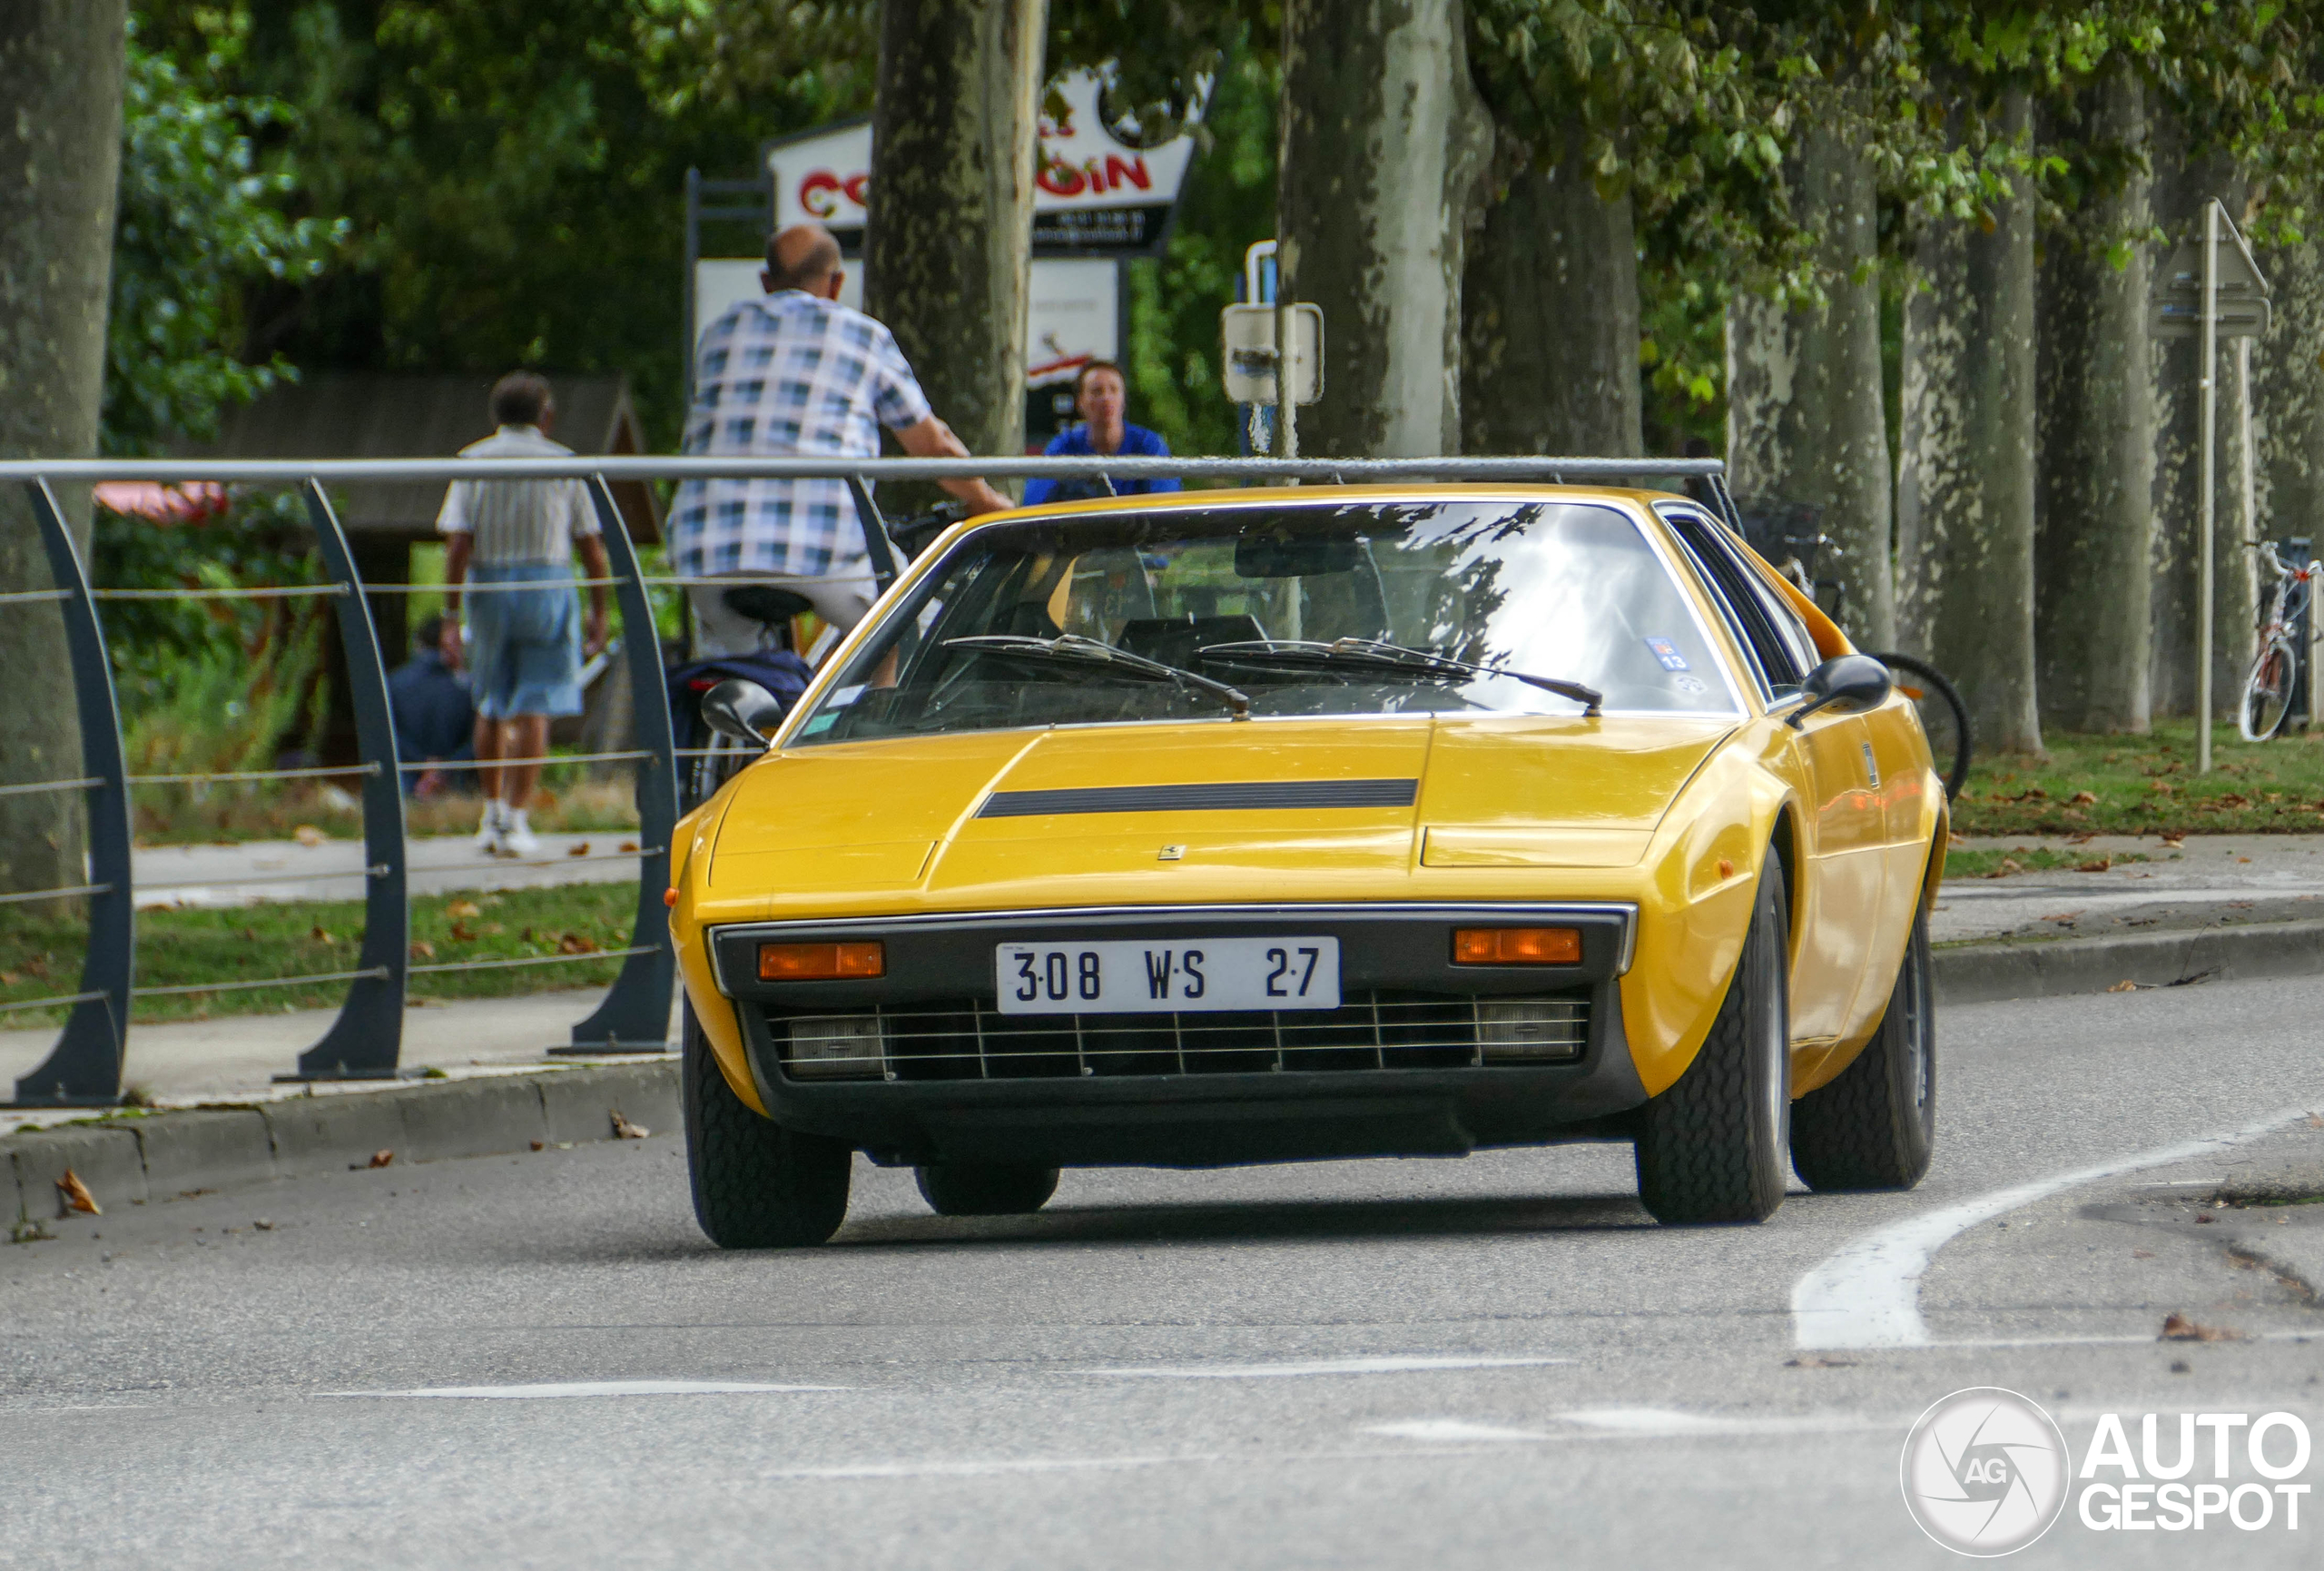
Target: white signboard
x=1095, y=188
x=1247, y=366
x=1073, y=316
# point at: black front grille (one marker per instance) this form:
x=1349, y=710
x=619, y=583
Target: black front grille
x=1383, y=1029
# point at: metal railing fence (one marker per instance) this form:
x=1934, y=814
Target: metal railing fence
x=365, y=1039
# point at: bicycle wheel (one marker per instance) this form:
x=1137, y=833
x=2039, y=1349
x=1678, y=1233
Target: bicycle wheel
x=2267, y=692
x=1944, y=717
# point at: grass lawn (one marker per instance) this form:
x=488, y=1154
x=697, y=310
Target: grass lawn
x=42, y=956
x=2148, y=786
x=181, y=816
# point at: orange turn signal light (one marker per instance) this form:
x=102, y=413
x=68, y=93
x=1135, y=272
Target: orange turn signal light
x=821, y=961
x=669, y=898
x=1516, y=946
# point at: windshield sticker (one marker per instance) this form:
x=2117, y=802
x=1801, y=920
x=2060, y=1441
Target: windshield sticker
x=1664, y=650
x=821, y=722
x=1692, y=685
x=842, y=697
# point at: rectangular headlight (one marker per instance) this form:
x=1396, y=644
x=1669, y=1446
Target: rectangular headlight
x=1532, y=1030
x=1517, y=946
x=821, y=961
x=835, y=1047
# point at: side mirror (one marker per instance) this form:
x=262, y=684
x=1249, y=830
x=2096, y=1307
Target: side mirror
x=1850, y=682
x=742, y=711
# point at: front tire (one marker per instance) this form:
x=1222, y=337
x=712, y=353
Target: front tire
x=985, y=1188
x=1873, y=1126
x=2267, y=691
x=1711, y=1148
x=756, y=1184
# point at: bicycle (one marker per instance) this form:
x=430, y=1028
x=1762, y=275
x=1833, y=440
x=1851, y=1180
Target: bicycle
x=2275, y=672
x=1945, y=718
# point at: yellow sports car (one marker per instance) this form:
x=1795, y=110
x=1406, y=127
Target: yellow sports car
x=1265, y=825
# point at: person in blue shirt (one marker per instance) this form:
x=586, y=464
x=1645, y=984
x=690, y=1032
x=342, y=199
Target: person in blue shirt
x=1100, y=397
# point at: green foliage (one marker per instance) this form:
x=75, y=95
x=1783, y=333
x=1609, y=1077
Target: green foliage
x=198, y=219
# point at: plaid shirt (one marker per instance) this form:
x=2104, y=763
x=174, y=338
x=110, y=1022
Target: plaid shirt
x=788, y=375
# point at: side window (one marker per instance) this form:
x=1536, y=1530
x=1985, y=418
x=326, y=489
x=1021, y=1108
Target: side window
x=1768, y=628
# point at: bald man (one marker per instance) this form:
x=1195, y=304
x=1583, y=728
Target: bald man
x=795, y=374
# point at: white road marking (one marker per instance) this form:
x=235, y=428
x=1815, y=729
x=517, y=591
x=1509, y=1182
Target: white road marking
x=555, y=1389
x=1379, y=1366
x=1670, y=1423
x=1450, y=1429
x=1868, y=1294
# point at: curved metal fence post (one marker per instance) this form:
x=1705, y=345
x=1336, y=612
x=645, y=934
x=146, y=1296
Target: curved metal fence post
x=636, y=1014
x=366, y=1041
x=85, y=1068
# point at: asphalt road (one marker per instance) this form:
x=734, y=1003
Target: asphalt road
x=1499, y=1361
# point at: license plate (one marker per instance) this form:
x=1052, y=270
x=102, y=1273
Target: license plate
x=1167, y=975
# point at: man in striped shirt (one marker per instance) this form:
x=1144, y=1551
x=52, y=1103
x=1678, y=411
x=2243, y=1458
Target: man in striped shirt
x=511, y=543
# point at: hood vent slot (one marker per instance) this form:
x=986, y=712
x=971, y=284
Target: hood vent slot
x=1232, y=796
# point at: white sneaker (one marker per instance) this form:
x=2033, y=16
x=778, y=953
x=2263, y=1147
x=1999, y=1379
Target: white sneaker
x=517, y=837
x=488, y=837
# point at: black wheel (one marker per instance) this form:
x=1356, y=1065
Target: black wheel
x=1711, y=1147
x=756, y=1184
x=985, y=1188
x=2267, y=691
x=1945, y=718
x=1873, y=1126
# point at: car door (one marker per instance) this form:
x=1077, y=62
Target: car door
x=1845, y=881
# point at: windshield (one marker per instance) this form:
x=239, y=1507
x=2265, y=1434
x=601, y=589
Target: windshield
x=1566, y=592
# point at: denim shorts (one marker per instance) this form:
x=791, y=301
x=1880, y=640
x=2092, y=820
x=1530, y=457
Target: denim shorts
x=524, y=646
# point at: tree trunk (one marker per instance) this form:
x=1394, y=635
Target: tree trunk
x=2182, y=186
x=947, y=248
x=1804, y=415
x=2095, y=527
x=1965, y=491
x=1549, y=312
x=1384, y=139
x=59, y=154
x=2288, y=393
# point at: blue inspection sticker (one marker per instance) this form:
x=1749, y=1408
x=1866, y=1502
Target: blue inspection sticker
x=1667, y=653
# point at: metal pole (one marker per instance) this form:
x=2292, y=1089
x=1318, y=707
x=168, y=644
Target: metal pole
x=366, y=1041
x=2250, y=499
x=636, y=1014
x=1286, y=342
x=2208, y=384
x=83, y=1069
x=693, y=258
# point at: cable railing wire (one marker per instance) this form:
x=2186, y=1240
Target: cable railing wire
x=37, y=788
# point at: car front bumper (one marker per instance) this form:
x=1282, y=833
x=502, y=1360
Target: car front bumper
x=960, y=1083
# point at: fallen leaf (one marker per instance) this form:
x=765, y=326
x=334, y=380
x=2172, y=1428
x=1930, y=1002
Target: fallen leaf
x=462, y=932
x=2009, y=864
x=625, y=1129
x=77, y=1194
x=538, y=1144
x=2098, y=865
x=7, y=979
x=264, y=1226
x=2061, y=916
x=2086, y=798
x=2204, y=1217
x=575, y=944
x=308, y=834
x=628, y=845
x=422, y=950
x=493, y=929
x=579, y=849
x=2180, y=1329
x=2125, y=985
x=321, y=934
x=382, y=1157
x=463, y=908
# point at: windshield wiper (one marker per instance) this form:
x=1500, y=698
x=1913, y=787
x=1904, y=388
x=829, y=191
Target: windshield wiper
x=1068, y=649
x=1383, y=657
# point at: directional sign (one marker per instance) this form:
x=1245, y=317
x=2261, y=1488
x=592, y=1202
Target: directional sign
x=2242, y=305
x=1249, y=362
x=2249, y=316
x=2238, y=273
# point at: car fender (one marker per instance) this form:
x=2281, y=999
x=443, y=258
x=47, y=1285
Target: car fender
x=694, y=839
x=1704, y=869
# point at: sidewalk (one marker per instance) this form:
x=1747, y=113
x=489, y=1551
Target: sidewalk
x=2210, y=881
x=213, y=876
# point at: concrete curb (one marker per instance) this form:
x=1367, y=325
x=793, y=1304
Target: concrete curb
x=1984, y=973
x=136, y=1159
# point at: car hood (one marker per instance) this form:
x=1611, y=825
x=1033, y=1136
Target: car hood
x=1333, y=802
